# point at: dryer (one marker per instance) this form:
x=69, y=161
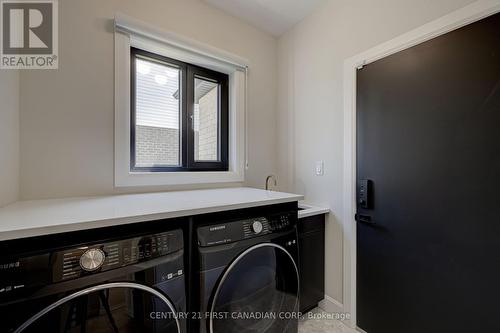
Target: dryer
x=248, y=275
x=133, y=284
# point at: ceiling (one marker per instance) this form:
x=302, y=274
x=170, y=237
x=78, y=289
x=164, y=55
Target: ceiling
x=273, y=16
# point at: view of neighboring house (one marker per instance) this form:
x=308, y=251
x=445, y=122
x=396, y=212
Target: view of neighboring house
x=158, y=121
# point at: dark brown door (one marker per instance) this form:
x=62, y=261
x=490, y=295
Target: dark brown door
x=428, y=253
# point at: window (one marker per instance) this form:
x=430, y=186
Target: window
x=180, y=109
x=179, y=115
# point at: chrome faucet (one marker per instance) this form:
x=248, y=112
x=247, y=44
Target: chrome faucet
x=273, y=177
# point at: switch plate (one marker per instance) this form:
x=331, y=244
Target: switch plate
x=320, y=168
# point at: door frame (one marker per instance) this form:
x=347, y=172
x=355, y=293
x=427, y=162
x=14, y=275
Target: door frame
x=452, y=21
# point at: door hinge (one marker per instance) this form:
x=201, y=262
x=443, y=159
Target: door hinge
x=363, y=64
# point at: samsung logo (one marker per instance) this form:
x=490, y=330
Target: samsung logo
x=15, y=264
x=217, y=228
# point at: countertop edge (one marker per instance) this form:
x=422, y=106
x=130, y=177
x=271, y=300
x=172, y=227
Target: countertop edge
x=102, y=223
x=310, y=210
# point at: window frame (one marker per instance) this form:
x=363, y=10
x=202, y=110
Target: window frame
x=186, y=126
x=223, y=118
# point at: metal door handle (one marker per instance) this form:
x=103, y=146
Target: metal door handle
x=365, y=219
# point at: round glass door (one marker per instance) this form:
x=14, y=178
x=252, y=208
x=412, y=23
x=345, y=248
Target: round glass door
x=258, y=292
x=112, y=307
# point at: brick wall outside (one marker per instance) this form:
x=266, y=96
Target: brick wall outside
x=156, y=146
x=207, y=136
x=160, y=146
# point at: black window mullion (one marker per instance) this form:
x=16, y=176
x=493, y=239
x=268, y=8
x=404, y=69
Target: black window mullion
x=185, y=117
x=132, y=108
x=190, y=108
x=224, y=123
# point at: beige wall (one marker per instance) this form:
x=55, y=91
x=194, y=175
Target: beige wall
x=9, y=136
x=67, y=114
x=310, y=92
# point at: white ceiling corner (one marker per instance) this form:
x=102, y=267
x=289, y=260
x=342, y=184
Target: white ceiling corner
x=273, y=16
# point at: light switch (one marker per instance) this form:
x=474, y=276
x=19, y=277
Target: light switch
x=320, y=168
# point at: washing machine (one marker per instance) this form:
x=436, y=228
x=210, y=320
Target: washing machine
x=131, y=284
x=248, y=275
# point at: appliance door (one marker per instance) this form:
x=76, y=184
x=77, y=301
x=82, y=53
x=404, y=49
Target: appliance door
x=258, y=292
x=112, y=307
x=133, y=299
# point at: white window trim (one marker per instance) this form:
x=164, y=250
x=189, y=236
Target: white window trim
x=132, y=33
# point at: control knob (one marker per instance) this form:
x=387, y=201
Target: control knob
x=257, y=227
x=92, y=260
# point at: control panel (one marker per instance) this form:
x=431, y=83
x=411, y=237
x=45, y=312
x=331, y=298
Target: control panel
x=365, y=193
x=257, y=226
x=85, y=260
x=280, y=222
x=233, y=231
x=22, y=274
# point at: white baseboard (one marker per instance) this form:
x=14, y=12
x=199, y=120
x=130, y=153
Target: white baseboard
x=331, y=305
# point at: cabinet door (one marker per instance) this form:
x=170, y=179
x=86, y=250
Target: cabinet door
x=312, y=271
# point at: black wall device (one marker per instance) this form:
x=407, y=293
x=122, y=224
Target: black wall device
x=365, y=193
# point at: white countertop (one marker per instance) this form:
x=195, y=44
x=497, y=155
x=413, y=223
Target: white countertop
x=43, y=217
x=309, y=210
